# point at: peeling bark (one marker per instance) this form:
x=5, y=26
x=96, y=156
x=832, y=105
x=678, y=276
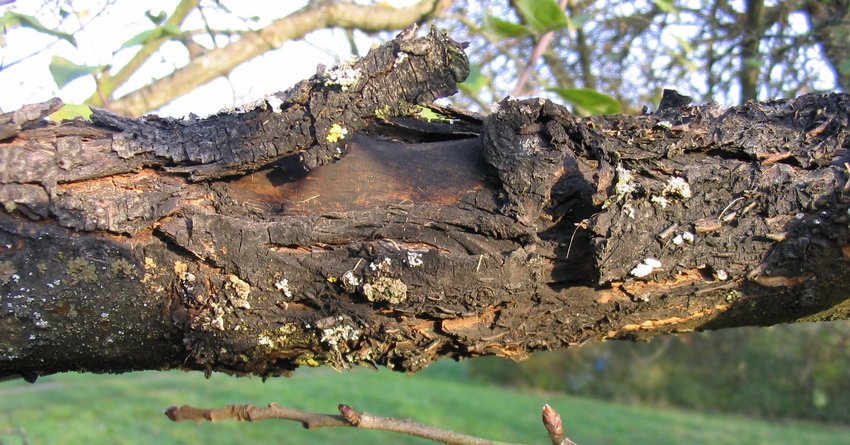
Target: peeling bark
x=259, y=240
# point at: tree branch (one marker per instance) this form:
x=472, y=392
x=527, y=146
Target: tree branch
x=147, y=240
x=107, y=84
x=221, y=61
x=539, y=49
x=349, y=418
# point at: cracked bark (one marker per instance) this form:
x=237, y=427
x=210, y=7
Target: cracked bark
x=252, y=242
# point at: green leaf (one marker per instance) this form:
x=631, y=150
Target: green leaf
x=64, y=71
x=141, y=38
x=503, y=28
x=171, y=30
x=11, y=20
x=475, y=81
x=70, y=112
x=156, y=19
x=685, y=61
x=542, y=15
x=590, y=101
x=686, y=46
x=167, y=30
x=666, y=6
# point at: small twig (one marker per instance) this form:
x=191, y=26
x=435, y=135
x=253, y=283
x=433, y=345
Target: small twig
x=251, y=413
x=729, y=206
x=555, y=427
x=579, y=225
x=368, y=421
x=541, y=46
x=350, y=418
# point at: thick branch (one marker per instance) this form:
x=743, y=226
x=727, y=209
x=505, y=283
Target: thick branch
x=545, y=231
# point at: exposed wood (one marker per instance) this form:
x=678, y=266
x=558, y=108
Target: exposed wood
x=260, y=240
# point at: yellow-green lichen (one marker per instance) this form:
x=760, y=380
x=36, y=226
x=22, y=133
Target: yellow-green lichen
x=733, y=295
x=384, y=113
x=838, y=312
x=336, y=133
x=81, y=270
x=7, y=270
x=285, y=337
x=386, y=289
x=122, y=267
x=307, y=359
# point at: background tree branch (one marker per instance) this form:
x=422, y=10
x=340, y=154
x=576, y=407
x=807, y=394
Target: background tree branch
x=220, y=61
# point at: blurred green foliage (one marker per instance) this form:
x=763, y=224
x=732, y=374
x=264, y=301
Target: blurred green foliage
x=790, y=371
x=72, y=409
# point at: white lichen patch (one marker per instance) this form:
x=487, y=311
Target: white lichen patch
x=336, y=133
x=382, y=266
x=625, y=182
x=242, y=291
x=274, y=102
x=343, y=75
x=351, y=279
x=645, y=268
x=414, y=259
x=283, y=286
x=660, y=200
x=399, y=58
x=628, y=210
x=386, y=289
x=652, y=262
x=336, y=335
x=677, y=187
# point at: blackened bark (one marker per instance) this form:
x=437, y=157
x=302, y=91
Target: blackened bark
x=135, y=244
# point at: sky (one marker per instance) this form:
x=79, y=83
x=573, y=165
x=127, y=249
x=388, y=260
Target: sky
x=29, y=52
x=25, y=54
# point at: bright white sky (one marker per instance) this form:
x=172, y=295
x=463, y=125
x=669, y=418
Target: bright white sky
x=30, y=80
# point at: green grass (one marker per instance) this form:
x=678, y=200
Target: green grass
x=127, y=409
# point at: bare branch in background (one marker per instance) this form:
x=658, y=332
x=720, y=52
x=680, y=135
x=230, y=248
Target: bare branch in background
x=539, y=49
x=107, y=84
x=351, y=417
x=219, y=62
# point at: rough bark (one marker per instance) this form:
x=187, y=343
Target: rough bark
x=224, y=244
